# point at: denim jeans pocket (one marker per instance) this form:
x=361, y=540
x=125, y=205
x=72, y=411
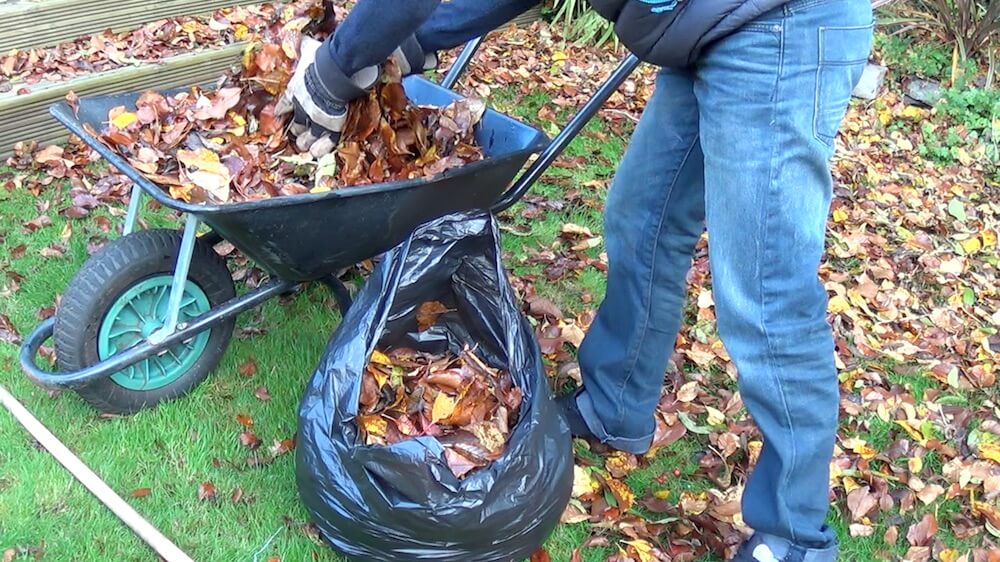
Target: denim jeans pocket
x=843, y=53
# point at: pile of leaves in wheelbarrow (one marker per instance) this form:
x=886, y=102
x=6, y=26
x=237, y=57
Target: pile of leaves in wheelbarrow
x=467, y=405
x=227, y=144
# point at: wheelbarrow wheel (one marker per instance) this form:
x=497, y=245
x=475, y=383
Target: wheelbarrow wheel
x=119, y=298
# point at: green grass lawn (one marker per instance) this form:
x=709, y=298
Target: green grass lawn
x=176, y=447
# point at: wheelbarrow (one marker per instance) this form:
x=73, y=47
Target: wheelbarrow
x=150, y=315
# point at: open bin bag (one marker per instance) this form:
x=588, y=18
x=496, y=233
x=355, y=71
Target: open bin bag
x=401, y=502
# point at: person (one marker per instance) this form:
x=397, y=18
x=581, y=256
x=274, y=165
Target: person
x=736, y=137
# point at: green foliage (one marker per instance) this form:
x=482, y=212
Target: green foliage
x=964, y=119
x=976, y=108
x=580, y=23
x=909, y=56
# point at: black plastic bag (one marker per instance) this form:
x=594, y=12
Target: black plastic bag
x=402, y=502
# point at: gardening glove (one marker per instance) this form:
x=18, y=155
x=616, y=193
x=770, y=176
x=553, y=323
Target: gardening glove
x=319, y=92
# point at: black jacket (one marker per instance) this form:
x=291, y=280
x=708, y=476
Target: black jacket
x=674, y=32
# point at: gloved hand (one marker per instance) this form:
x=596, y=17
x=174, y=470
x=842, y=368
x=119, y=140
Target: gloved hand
x=318, y=92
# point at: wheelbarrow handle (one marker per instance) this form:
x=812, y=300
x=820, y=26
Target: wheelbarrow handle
x=461, y=63
x=566, y=136
x=117, y=362
x=562, y=140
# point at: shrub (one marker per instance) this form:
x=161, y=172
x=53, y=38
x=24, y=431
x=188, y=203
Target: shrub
x=970, y=25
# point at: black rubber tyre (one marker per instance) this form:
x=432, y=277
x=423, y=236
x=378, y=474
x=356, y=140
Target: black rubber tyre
x=105, y=277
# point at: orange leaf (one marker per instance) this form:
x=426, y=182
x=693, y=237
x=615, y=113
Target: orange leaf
x=244, y=420
x=540, y=555
x=428, y=313
x=206, y=491
x=140, y=492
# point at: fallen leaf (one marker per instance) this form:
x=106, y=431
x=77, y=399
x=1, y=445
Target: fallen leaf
x=206, y=491
x=203, y=168
x=428, y=313
x=8, y=333
x=262, y=393
x=922, y=532
x=249, y=367
x=443, y=407
x=249, y=440
x=140, y=492
x=861, y=502
x=540, y=555
x=244, y=420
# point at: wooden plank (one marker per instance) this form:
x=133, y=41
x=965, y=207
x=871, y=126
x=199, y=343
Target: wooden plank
x=42, y=23
x=529, y=17
x=24, y=118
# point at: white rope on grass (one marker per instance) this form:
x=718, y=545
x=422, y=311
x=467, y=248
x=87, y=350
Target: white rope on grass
x=144, y=529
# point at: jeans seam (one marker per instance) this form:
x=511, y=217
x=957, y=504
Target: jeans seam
x=765, y=224
x=816, y=93
x=649, y=286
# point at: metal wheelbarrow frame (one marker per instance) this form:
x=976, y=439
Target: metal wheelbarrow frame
x=287, y=279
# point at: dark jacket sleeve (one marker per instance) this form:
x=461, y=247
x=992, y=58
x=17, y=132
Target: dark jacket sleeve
x=458, y=21
x=373, y=30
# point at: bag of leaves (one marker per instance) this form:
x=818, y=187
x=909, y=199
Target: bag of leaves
x=428, y=431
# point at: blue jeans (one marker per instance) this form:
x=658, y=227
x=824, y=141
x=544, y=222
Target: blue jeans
x=741, y=143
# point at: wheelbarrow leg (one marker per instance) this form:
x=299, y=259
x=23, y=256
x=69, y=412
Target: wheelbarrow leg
x=180, y=280
x=133, y=210
x=340, y=292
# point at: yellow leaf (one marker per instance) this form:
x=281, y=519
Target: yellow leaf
x=989, y=238
x=715, y=417
x=950, y=555
x=242, y=32
x=642, y=549
x=583, y=483
x=971, y=245
x=124, y=120
x=990, y=451
x=559, y=56
x=912, y=112
x=373, y=425
x=443, y=407
x=916, y=464
x=860, y=447
x=661, y=494
x=914, y=433
x=381, y=358
x=884, y=116
x=203, y=168
x=904, y=144
x=839, y=215
x=838, y=304
x=319, y=189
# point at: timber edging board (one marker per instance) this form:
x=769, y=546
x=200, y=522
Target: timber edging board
x=43, y=23
x=26, y=117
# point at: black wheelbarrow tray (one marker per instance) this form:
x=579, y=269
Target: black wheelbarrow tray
x=150, y=315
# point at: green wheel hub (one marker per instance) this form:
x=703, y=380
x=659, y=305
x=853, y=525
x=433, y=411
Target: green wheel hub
x=137, y=313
